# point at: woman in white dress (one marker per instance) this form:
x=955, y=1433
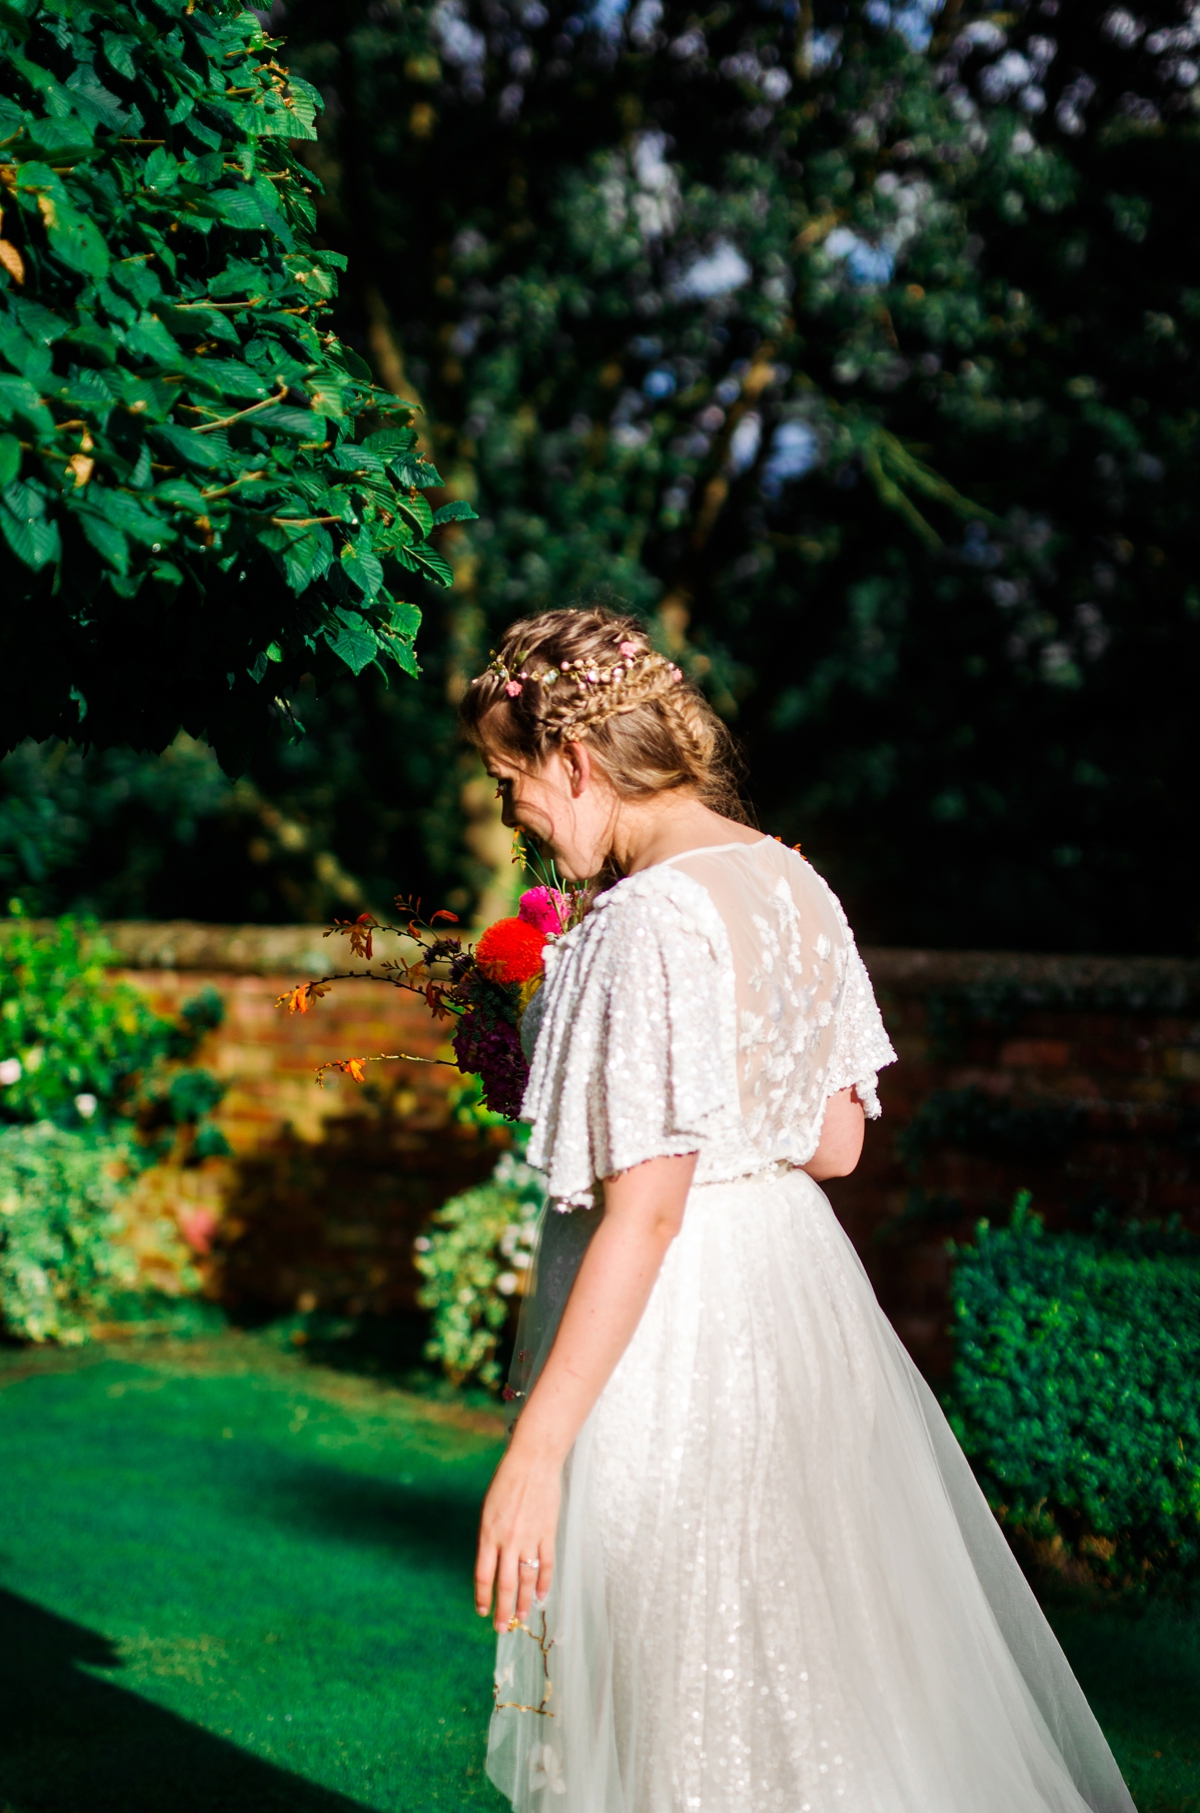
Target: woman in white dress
x=737, y=1560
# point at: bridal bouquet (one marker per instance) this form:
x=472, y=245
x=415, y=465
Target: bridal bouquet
x=484, y=988
x=498, y=980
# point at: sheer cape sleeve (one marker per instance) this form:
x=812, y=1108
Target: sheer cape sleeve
x=861, y=1047
x=630, y=1061
x=808, y=1025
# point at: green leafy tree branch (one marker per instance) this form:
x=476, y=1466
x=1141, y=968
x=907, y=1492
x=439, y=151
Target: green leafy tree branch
x=203, y=497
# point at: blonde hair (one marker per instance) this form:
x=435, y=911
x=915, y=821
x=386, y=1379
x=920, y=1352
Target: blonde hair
x=591, y=673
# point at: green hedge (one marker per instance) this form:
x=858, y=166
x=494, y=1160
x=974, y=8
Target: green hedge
x=1077, y=1392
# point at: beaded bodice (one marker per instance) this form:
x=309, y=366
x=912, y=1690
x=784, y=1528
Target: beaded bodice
x=710, y=1004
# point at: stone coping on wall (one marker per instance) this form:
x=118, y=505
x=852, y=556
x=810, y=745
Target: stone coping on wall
x=1155, y=984
x=230, y=950
x=1152, y=984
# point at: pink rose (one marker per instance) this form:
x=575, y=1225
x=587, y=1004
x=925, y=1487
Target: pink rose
x=628, y=649
x=513, y=689
x=545, y=909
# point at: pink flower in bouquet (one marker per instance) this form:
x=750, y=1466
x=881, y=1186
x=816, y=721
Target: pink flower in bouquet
x=546, y=910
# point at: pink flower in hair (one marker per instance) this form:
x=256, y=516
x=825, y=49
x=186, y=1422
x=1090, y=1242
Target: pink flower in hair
x=628, y=649
x=545, y=909
x=513, y=689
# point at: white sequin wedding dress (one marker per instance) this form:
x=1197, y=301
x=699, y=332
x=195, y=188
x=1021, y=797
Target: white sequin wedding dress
x=778, y=1587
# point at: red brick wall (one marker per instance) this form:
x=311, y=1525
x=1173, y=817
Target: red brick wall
x=327, y=1188
x=1114, y=1042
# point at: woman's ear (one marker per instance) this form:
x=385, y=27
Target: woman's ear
x=578, y=760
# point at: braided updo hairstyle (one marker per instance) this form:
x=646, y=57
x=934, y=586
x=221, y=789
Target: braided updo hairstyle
x=570, y=675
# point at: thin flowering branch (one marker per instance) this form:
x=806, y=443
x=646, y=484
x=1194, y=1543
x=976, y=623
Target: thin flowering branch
x=359, y=931
x=302, y=997
x=354, y=1067
x=483, y=989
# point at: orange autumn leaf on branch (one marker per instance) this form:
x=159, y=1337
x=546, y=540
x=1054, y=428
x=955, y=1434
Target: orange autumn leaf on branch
x=298, y=1000
x=359, y=930
x=355, y=1068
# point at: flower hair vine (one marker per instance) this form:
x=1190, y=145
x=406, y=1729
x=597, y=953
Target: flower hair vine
x=583, y=674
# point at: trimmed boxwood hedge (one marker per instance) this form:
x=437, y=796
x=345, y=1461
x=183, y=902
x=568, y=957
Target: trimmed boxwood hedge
x=1077, y=1392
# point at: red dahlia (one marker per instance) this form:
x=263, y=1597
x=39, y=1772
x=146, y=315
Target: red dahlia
x=510, y=951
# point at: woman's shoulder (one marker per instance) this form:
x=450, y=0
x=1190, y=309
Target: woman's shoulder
x=656, y=907
x=660, y=897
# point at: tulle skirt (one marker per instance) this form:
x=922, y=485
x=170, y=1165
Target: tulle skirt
x=778, y=1587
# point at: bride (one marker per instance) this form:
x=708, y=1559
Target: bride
x=736, y=1558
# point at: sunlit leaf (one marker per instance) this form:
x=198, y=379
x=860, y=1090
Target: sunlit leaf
x=435, y=564
x=455, y=511
x=353, y=640
x=286, y=419
x=362, y=568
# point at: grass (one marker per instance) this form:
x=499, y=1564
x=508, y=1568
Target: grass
x=1140, y=1668
x=234, y=1582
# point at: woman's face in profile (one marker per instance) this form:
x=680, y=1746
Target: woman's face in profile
x=564, y=804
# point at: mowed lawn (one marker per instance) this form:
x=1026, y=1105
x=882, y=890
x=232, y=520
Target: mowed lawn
x=229, y=1581
x=234, y=1582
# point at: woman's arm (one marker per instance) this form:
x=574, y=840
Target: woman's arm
x=643, y=1212
x=840, y=1146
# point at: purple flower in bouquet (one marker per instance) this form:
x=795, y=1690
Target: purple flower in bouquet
x=486, y=1041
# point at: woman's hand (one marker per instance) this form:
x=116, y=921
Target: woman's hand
x=518, y=1526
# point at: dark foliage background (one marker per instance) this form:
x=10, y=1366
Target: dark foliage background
x=854, y=345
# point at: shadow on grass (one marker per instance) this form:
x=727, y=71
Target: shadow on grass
x=1139, y=1665
x=432, y=1530
x=72, y=1744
